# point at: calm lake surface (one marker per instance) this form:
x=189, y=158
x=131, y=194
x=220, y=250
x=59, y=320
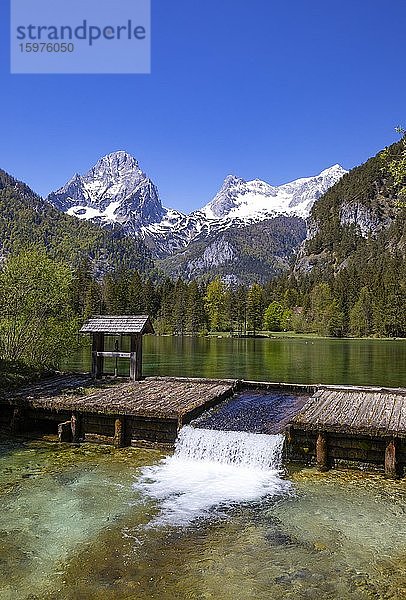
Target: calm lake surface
x=291, y=360
x=220, y=517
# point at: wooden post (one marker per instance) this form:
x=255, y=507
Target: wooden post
x=65, y=431
x=97, y=361
x=136, y=357
x=16, y=421
x=75, y=424
x=138, y=374
x=391, y=469
x=119, y=432
x=321, y=452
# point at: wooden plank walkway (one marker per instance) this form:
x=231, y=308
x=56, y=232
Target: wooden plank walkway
x=372, y=412
x=154, y=397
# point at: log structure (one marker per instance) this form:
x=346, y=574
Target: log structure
x=134, y=326
x=351, y=424
x=116, y=411
x=332, y=425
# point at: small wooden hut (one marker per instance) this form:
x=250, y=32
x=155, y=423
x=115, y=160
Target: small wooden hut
x=133, y=326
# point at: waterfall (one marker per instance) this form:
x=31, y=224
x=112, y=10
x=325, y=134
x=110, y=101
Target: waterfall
x=211, y=471
x=230, y=447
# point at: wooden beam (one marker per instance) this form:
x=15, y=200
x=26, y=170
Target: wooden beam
x=321, y=452
x=136, y=357
x=139, y=357
x=76, y=422
x=97, y=356
x=16, y=421
x=391, y=468
x=65, y=431
x=114, y=354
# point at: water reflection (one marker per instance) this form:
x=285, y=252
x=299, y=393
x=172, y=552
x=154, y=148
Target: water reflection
x=362, y=362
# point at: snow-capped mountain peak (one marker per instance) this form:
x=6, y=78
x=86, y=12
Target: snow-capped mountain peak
x=257, y=199
x=117, y=192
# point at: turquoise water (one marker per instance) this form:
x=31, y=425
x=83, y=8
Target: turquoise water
x=75, y=525
x=93, y=522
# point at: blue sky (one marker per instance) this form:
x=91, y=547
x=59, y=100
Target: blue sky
x=274, y=90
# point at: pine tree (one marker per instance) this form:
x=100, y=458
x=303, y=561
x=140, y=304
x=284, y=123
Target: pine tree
x=135, y=302
x=195, y=315
x=362, y=314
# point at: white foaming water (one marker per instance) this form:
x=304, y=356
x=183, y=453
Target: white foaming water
x=212, y=469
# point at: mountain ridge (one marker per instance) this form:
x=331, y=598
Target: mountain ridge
x=116, y=192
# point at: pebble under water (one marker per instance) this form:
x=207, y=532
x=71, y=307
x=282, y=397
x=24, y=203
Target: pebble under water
x=78, y=523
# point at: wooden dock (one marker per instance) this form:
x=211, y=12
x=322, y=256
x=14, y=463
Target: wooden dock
x=360, y=424
x=116, y=411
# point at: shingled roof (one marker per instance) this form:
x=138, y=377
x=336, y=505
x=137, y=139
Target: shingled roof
x=124, y=324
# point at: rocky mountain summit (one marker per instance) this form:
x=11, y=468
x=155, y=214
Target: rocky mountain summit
x=116, y=192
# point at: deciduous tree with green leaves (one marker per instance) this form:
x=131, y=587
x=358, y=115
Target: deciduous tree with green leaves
x=215, y=303
x=37, y=323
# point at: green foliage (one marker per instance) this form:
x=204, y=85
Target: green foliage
x=196, y=321
x=277, y=317
x=215, y=303
x=325, y=313
x=255, y=308
x=362, y=314
x=37, y=323
x=395, y=164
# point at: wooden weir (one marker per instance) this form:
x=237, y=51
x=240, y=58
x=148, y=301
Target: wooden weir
x=329, y=425
x=116, y=411
x=353, y=424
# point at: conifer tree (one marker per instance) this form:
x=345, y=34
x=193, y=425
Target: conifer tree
x=255, y=307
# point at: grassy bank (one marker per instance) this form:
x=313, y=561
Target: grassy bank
x=306, y=336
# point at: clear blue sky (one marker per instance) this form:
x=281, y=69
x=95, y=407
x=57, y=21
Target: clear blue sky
x=268, y=89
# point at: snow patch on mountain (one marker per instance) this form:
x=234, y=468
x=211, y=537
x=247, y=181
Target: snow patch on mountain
x=115, y=190
x=257, y=200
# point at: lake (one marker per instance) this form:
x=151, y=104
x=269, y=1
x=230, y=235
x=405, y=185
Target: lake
x=290, y=360
x=93, y=522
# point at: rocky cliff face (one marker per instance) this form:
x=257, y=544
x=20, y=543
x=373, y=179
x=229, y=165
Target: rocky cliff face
x=115, y=190
x=256, y=252
x=357, y=209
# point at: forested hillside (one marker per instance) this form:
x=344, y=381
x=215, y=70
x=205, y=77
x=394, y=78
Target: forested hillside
x=26, y=219
x=257, y=252
x=348, y=279
x=352, y=270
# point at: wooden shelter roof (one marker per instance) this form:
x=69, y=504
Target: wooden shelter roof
x=122, y=324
